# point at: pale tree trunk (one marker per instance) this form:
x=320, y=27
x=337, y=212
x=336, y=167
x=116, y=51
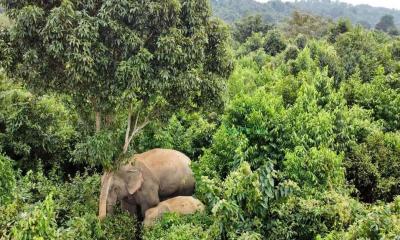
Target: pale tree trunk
x=129, y=135
x=98, y=121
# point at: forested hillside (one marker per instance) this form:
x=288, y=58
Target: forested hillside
x=275, y=11
x=293, y=131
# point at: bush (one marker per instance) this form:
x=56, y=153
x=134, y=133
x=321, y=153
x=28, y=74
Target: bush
x=274, y=43
x=315, y=170
x=38, y=223
x=372, y=167
x=250, y=131
x=52, y=209
x=173, y=226
x=305, y=218
x=381, y=222
x=380, y=95
x=291, y=52
x=188, y=133
x=7, y=180
x=34, y=131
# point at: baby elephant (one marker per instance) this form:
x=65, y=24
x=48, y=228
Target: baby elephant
x=182, y=205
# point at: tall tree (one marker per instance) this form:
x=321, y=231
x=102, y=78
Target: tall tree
x=129, y=55
x=245, y=27
x=386, y=24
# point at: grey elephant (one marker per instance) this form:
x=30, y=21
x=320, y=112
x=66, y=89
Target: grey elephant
x=147, y=179
x=183, y=205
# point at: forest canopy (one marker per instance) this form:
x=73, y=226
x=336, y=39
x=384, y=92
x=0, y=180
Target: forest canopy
x=292, y=127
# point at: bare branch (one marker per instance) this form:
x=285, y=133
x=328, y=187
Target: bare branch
x=137, y=119
x=138, y=129
x=128, y=130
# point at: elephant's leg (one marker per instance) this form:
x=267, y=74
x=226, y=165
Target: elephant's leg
x=129, y=206
x=148, y=200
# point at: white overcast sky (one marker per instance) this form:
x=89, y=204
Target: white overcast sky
x=376, y=3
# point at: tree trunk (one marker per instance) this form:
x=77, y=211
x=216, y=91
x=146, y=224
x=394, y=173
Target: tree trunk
x=98, y=121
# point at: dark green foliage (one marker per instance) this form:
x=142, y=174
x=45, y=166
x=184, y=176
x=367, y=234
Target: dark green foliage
x=380, y=95
x=98, y=150
x=382, y=222
x=172, y=227
x=188, y=133
x=274, y=43
x=372, y=167
x=131, y=59
x=248, y=26
x=7, y=180
x=386, y=24
x=301, y=41
x=249, y=132
x=360, y=50
x=342, y=26
x=276, y=11
x=291, y=52
x=304, y=145
x=50, y=209
x=304, y=218
x=326, y=57
x=34, y=130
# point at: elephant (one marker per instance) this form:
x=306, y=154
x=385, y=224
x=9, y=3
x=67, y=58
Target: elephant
x=183, y=205
x=145, y=180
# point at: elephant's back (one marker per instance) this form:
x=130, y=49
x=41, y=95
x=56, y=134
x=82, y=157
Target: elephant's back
x=171, y=169
x=184, y=204
x=159, y=158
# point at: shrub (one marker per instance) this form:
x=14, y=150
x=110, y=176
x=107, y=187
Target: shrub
x=291, y=52
x=381, y=222
x=315, y=170
x=372, y=167
x=38, y=223
x=250, y=131
x=274, y=43
x=34, y=131
x=189, y=133
x=305, y=218
x=173, y=226
x=7, y=180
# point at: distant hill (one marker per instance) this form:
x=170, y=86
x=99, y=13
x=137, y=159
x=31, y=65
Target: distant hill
x=275, y=11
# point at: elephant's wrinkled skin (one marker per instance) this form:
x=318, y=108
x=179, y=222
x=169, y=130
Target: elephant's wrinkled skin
x=147, y=178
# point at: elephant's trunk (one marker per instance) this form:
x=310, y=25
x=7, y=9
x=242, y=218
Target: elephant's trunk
x=105, y=186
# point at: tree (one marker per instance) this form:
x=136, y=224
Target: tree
x=274, y=43
x=386, y=24
x=245, y=27
x=341, y=27
x=306, y=24
x=138, y=59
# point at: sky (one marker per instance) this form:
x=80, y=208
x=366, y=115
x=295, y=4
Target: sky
x=375, y=3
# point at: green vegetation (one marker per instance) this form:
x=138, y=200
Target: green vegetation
x=276, y=11
x=293, y=130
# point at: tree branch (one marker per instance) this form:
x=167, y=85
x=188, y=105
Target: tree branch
x=128, y=130
x=137, y=129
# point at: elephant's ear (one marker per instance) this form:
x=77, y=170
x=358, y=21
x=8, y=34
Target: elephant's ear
x=134, y=181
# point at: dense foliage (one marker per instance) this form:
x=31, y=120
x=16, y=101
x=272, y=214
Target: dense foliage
x=275, y=11
x=302, y=142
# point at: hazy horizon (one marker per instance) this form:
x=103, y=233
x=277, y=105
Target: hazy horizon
x=392, y=4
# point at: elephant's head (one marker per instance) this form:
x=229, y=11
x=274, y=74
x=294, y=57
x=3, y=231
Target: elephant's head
x=118, y=185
